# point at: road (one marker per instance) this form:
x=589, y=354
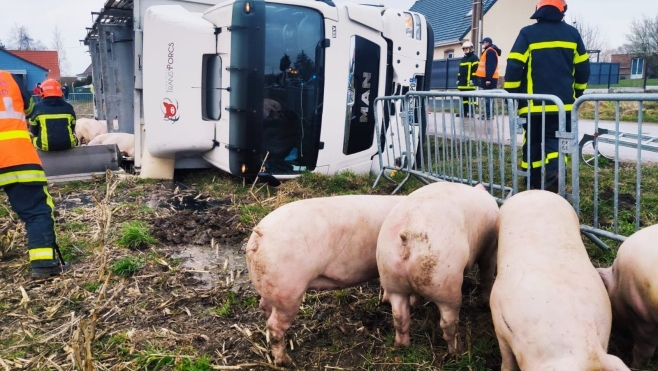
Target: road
x=626, y=154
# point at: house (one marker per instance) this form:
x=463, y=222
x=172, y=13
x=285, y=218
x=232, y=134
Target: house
x=26, y=72
x=47, y=59
x=451, y=20
x=86, y=74
x=630, y=66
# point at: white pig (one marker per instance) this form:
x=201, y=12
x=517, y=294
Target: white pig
x=88, y=129
x=549, y=306
x=427, y=243
x=314, y=244
x=632, y=284
x=125, y=142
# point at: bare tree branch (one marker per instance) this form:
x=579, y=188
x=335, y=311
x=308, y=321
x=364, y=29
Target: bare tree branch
x=20, y=39
x=643, y=42
x=590, y=33
x=58, y=45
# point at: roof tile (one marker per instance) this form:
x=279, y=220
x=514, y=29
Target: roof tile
x=450, y=19
x=43, y=58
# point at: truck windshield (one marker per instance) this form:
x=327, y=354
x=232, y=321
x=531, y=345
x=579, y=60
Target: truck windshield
x=293, y=92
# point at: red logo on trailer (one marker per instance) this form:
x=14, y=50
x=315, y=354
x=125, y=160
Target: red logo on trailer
x=170, y=109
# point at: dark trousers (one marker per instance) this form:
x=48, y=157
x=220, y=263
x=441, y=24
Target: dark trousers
x=551, y=151
x=35, y=207
x=487, y=101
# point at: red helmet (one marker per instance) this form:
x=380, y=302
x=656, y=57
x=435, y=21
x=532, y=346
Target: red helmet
x=561, y=5
x=51, y=88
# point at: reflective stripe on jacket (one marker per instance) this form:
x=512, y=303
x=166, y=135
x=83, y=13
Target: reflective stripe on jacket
x=19, y=161
x=482, y=66
x=467, y=67
x=53, y=125
x=547, y=58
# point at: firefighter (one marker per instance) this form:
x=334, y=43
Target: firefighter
x=467, y=67
x=24, y=181
x=548, y=57
x=487, y=71
x=53, y=120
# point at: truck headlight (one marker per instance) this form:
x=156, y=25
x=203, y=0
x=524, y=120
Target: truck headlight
x=417, y=24
x=409, y=24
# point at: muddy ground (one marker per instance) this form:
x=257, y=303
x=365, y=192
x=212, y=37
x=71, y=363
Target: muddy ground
x=189, y=305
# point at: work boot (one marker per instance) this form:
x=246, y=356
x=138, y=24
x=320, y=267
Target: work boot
x=51, y=271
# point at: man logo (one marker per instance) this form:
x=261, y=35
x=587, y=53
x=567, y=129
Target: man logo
x=170, y=110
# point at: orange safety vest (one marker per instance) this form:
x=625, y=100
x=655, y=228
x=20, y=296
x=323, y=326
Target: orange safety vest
x=482, y=66
x=19, y=161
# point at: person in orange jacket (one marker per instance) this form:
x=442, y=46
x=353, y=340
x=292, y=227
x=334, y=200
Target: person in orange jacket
x=24, y=181
x=487, y=71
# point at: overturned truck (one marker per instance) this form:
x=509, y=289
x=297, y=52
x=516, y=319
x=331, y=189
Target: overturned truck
x=254, y=87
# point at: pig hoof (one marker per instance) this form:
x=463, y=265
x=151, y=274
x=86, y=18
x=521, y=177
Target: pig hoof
x=285, y=361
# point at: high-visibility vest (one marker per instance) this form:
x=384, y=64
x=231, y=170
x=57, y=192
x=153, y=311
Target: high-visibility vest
x=482, y=66
x=19, y=161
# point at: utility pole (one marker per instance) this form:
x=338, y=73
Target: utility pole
x=476, y=22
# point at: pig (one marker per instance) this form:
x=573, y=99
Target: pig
x=427, y=243
x=549, y=307
x=632, y=284
x=125, y=142
x=88, y=129
x=314, y=244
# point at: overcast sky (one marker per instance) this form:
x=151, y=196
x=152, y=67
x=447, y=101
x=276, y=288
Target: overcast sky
x=612, y=17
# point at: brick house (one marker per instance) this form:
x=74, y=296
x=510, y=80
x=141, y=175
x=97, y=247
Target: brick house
x=630, y=66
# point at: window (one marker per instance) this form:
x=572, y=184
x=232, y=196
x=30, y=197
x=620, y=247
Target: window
x=637, y=67
x=449, y=54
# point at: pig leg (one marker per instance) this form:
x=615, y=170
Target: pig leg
x=450, y=323
x=266, y=307
x=401, y=318
x=645, y=343
x=277, y=324
x=487, y=266
x=508, y=358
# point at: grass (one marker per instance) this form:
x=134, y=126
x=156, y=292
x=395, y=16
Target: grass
x=626, y=83
x=135, y=235
x=126, y=266
x=224, y=310
x=628, y=111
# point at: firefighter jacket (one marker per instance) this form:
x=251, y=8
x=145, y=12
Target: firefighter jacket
x=488, y=66
x=467, y=66
x=53, y=125
x=548, y=57
x=19, y=162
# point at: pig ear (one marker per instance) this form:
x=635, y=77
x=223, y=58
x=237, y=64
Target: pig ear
x=606, y=277
x=480, y=186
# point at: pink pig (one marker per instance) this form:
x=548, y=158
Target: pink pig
x=88, y=129
x=425, y=246
x=549, y=306
x=314, y=244
x=125, y=142
x=632, y=284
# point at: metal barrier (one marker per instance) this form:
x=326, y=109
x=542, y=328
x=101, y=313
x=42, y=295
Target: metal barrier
x=81, y=97
x=625, y=148
x=436, y=141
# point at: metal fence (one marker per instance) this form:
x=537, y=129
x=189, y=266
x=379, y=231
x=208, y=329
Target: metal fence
x=437, y=141
x=81, y=97
x=620, y=153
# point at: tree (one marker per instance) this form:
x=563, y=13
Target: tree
x=589, y=33
x=643, y=42
x=58, y=44
x=20, y=39
x=2, y=46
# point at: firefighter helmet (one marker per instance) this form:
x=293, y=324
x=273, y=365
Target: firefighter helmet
x=51, y=88
x=561, y=5
x=467, y=44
